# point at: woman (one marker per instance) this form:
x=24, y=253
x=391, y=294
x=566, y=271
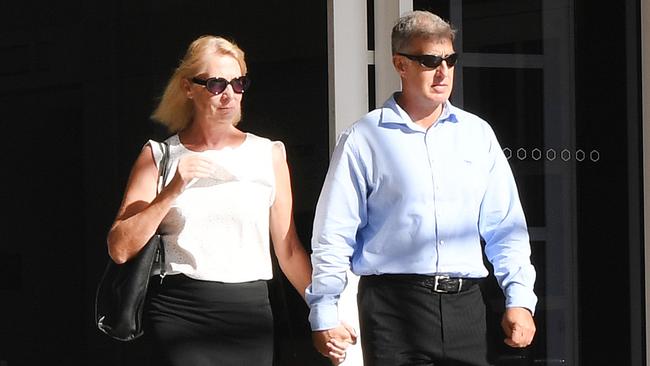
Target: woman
x=226, y=191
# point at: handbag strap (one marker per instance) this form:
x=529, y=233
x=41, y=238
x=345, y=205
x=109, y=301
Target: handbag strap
x=163, y=171
x=163, y=167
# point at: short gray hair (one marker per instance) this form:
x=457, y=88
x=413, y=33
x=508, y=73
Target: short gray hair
x=419, y=24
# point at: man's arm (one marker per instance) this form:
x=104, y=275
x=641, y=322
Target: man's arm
x=340, y=212
x=503, y=227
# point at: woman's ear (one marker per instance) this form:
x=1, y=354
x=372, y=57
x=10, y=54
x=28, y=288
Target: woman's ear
x=187, y=87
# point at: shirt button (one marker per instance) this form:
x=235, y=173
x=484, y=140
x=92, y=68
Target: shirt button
x=442, y=242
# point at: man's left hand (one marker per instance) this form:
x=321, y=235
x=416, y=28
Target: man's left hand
x=519, y=326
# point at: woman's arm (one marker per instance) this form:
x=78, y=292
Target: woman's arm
x=138, y=216
x=142, y=210
x=292, y=257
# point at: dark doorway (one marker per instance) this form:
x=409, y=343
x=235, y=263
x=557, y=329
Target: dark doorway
x=78, y=81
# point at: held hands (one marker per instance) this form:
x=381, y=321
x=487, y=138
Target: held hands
x=332, y=343
x=519, y=327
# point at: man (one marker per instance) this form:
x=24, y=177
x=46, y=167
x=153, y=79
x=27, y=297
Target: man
x=411, y=190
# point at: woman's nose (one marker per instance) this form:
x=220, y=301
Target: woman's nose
x=227, y=93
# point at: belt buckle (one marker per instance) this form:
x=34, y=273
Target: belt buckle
x=437, y=283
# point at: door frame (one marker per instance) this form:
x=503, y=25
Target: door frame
x=645, y=82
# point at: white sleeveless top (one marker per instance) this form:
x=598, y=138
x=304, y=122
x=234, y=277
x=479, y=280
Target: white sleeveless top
x=218, y=227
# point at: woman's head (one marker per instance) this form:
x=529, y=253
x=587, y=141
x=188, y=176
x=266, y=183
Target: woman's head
x=176, y=108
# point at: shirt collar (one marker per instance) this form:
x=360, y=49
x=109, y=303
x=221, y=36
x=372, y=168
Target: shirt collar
x=393, y=113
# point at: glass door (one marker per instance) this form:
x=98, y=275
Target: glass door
x=527, y=68
x=517, y=74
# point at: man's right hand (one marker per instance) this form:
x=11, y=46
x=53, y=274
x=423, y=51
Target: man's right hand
x=332, y=343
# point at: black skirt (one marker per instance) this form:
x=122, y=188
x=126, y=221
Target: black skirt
x=197, y=323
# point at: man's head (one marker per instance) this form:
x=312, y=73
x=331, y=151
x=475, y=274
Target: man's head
x=423, y=55
x=419, y=24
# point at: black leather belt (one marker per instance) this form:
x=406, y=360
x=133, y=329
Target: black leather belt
x=437, y=283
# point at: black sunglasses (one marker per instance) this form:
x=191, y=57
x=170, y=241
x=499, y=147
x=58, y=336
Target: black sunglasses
x=218, y=85
x=432, y=61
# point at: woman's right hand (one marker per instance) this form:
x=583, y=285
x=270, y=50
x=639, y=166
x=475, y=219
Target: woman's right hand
x=190, y=168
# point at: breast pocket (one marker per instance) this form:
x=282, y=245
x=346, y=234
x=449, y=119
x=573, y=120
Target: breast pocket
x=471, y=176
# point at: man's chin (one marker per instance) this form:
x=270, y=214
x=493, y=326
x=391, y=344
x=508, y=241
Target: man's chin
x=438, y=98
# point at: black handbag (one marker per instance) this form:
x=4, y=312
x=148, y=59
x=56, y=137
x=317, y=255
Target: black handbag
x=122, y=290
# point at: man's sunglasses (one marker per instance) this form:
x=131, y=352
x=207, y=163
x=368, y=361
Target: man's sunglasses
x=218, y=85
x=432, y=61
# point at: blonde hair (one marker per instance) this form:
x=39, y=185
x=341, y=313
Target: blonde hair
x=419, y=24
x=175, y=109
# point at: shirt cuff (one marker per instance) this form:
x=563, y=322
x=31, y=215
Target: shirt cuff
x=519, y=296
x=323, y=317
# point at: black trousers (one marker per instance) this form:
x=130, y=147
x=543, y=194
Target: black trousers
x=205, y=323
x=404, y=322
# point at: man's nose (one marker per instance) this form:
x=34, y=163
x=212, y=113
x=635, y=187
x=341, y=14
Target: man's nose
x=443, y=69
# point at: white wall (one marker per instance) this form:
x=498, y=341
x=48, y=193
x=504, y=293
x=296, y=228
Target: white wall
x=347, y=64
x=386, y=79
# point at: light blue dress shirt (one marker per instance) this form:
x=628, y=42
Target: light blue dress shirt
x=399, y=198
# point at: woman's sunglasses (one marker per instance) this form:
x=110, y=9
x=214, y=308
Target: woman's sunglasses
x=432, y=61
x=218, y=85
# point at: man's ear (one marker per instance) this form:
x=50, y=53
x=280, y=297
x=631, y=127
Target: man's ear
x=399, y=63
